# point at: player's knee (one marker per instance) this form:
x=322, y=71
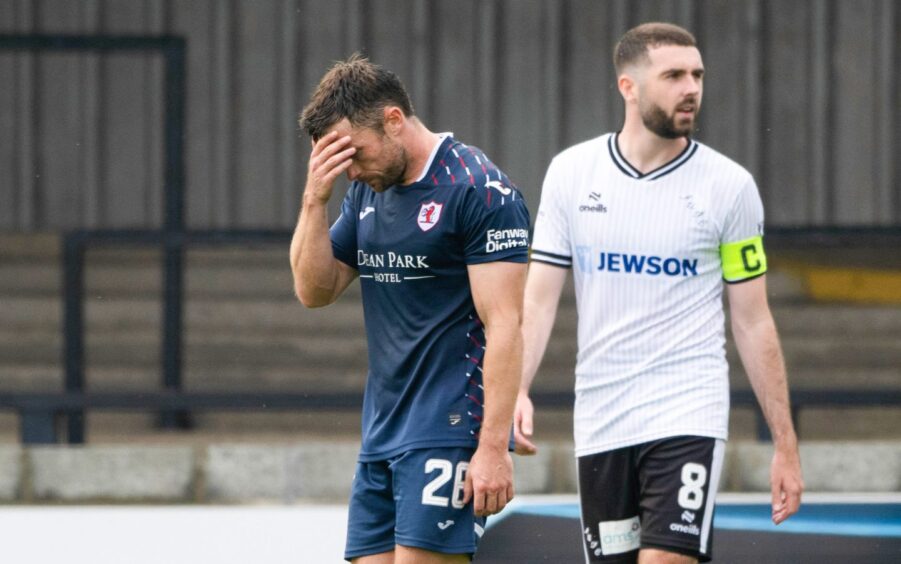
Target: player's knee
x=411, y=555
x=656, y=556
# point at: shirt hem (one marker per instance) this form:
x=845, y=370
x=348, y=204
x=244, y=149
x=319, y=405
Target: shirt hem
x=631, y=441
x=391, y=453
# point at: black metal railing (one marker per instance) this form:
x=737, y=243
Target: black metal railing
x=173, y=244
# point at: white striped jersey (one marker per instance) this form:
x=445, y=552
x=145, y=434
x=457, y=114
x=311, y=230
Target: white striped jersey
x=645, y=254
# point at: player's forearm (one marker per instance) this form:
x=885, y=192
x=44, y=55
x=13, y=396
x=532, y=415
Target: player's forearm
x=544, y=285
x=761, y=354
x=501, y=375
x=538, y=320
x=312, y=263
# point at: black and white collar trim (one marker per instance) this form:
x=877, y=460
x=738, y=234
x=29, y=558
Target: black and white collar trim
x=633, y=172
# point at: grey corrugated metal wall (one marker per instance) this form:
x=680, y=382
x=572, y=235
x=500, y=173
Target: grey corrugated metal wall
x=804, y=93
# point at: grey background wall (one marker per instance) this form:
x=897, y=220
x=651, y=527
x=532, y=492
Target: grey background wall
x=805, y=93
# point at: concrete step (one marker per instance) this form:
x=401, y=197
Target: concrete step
x=215, y=350
x=145, y=279
x=272, y=346
x=132, y=314
x=197, y=377
x=285, y=312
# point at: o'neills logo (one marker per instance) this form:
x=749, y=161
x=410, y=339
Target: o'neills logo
x=595, y=206
x=687, y=529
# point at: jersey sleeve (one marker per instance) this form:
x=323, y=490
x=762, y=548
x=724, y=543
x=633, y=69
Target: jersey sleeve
x=741, y=246
x=343, y=232
x=551, y=242
x=495, y=224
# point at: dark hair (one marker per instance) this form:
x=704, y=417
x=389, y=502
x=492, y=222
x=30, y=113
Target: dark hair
x=634, y=44
x=355, y=89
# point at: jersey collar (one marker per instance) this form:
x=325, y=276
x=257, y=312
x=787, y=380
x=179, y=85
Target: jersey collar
x=633, y=172
x=442, y=137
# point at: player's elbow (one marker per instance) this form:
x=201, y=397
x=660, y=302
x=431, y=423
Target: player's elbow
x=311, y=298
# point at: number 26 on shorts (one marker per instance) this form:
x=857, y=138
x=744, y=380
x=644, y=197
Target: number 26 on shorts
x=446, y=471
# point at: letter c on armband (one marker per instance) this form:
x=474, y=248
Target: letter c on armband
x=743, y=260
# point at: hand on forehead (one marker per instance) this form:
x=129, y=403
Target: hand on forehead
x=340, y=129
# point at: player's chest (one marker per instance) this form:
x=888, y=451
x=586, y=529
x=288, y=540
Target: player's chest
x=644, y=216
x=411, y=233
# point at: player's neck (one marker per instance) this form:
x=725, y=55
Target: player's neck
x=645, y=150
x=418, y=143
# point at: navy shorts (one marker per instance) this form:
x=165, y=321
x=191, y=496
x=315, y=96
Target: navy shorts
x=658, y=494
x=415, y=500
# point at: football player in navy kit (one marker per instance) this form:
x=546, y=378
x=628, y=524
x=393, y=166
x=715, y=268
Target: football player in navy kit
x=438, y=237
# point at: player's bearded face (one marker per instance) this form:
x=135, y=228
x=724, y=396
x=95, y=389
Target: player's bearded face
x=669, y=90
x=392, y=161
x=677, y=123
x=386, y=167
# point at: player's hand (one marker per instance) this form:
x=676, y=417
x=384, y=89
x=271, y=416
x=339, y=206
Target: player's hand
x=786, y=483
x=331, y=156
x=489, y=480
x=522, y=424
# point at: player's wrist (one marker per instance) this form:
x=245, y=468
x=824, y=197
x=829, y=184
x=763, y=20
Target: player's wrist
x=310, y=200
x=494, y=441
x=786, y=444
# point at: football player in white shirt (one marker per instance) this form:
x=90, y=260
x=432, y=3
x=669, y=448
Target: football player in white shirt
x=651, y=223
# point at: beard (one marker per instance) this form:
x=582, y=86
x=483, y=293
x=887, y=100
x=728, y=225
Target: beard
x=395, y=168
x=657, y=120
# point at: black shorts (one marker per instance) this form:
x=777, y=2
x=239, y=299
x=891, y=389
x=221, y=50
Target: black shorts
x=653, y=495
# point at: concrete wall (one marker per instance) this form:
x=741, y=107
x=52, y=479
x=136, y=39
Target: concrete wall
x=234, y=473
x=804, y=93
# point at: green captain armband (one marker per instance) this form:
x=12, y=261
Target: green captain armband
x=743, y=260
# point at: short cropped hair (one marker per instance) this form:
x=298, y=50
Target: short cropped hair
x=355, y=89
x=633, y=46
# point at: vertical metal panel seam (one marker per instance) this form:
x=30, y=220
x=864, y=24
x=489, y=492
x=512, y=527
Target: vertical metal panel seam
x=883, y=110
x=688, y=12
x=90, y=125
x=620, y=20
x=216, y=90
x=143, y=60
x=552, y=60
x=32, y=181
x=278, y=62
x=301, y=64
x=753, y=96
x=357, y=37
x=895, y=178
x=423, y=72
x=286, y=143
x=758, y=161
x=564, y=82
x=234, y=116
x=828, y=124
x=490, y=76
x=819, y=180
x=24, y=121
x=104, y=214
x=153, y=116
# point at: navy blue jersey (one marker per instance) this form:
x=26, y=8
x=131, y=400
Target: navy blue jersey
x=411, y=245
